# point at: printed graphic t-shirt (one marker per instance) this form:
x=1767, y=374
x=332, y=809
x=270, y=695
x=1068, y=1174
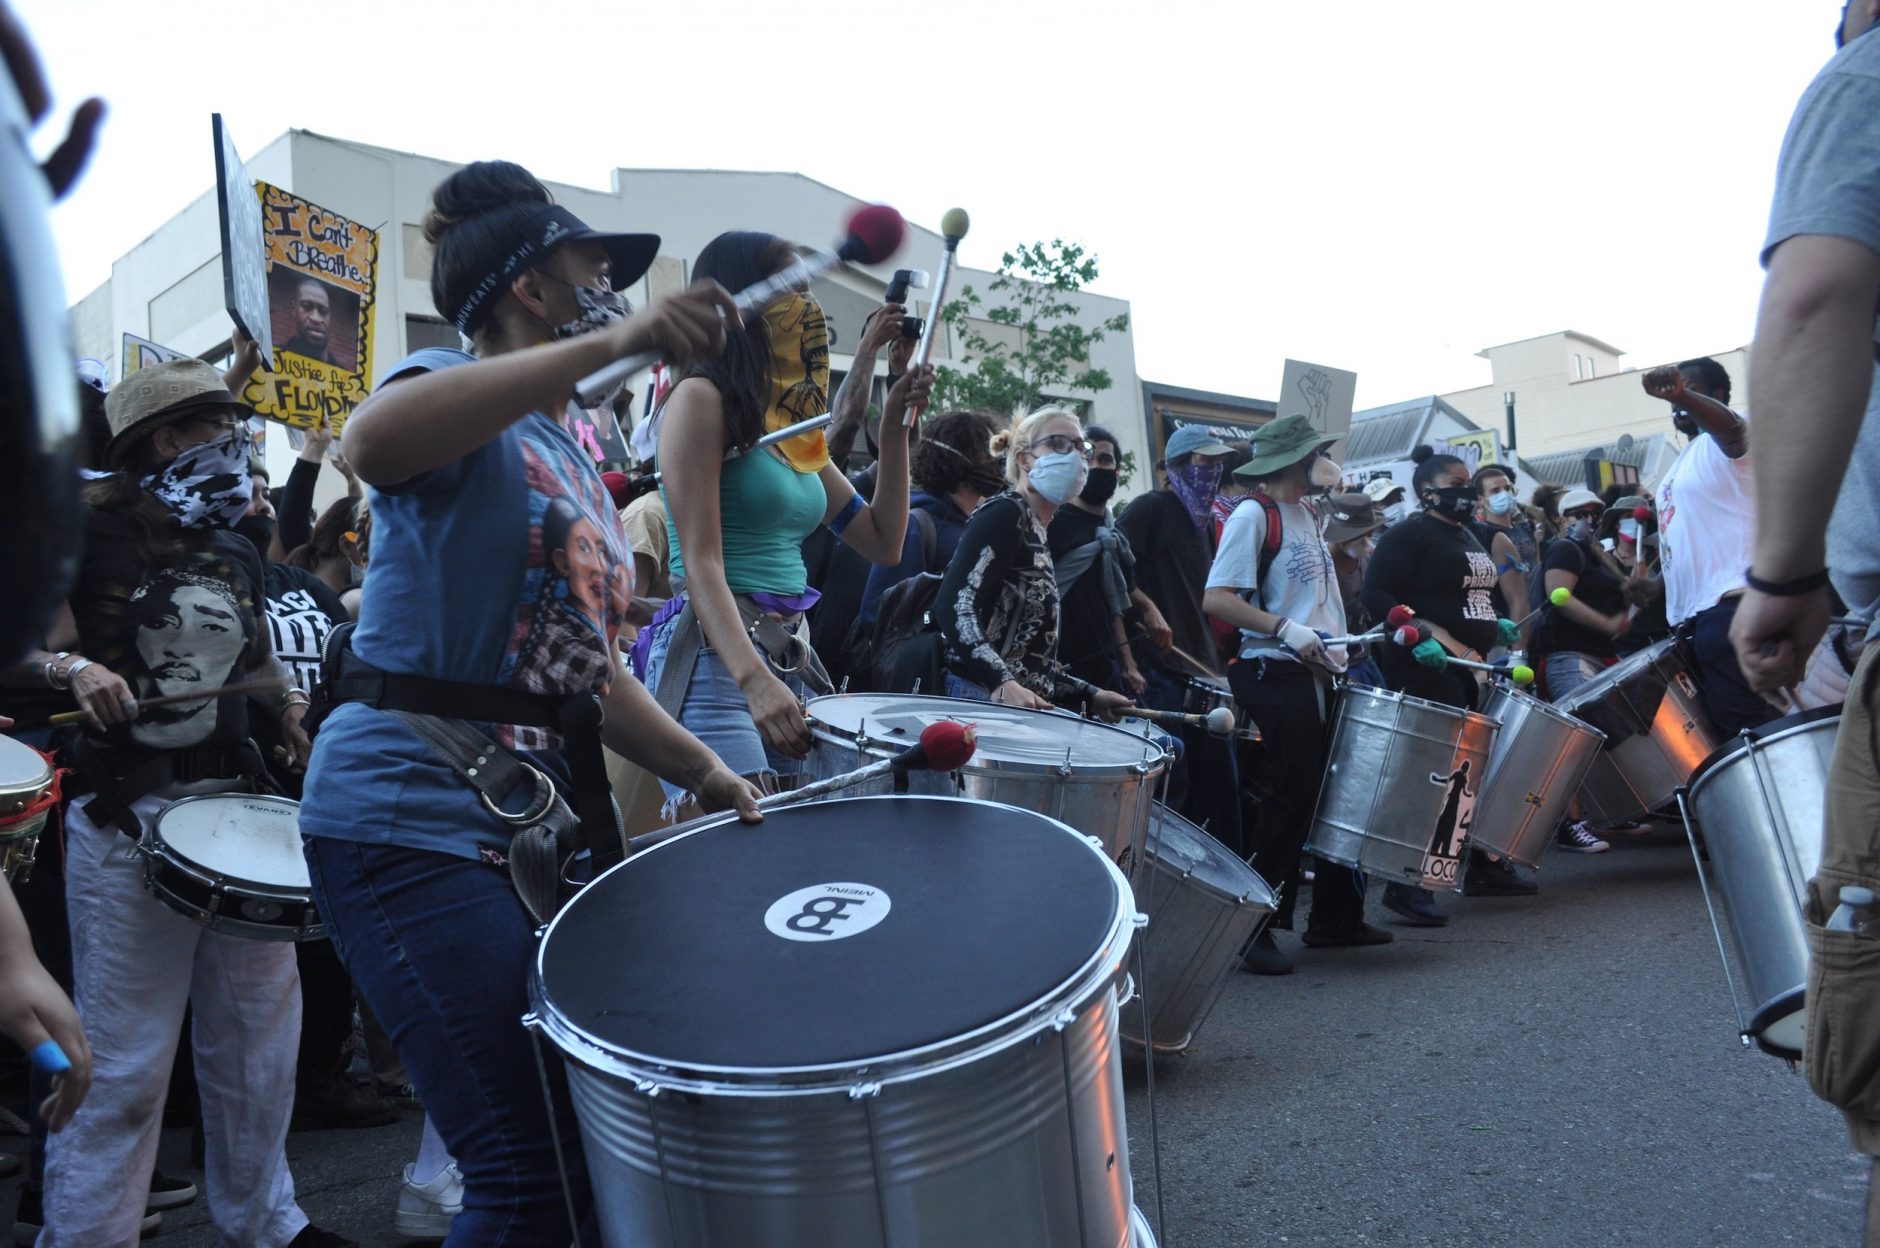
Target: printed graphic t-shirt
x=507, y=567
x=1439, y=571
x=192, y=625
x=1301, y=584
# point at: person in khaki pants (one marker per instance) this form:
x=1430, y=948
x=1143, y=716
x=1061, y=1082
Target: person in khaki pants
x=1818, y=430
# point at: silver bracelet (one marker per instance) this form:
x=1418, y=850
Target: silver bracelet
x=49, y=669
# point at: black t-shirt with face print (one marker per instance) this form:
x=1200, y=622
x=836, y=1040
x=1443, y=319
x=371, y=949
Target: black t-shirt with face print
x=191, y=625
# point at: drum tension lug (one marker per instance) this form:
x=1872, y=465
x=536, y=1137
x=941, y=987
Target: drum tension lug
x=1139, y=920
x=1063, y=1019
x=863, y=1091
x=647, y=1088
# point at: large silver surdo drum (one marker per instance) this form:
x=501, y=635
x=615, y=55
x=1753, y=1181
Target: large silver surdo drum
x=1541, y=756
x=1400, y=788
x=871, y=1022
x=1100, y=780
x=1657, y=731
x=1761, y=801
x=1204, y=904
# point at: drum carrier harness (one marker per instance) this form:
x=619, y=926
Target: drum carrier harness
x=445, y=714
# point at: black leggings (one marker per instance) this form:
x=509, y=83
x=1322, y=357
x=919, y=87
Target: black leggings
x=1283, y=698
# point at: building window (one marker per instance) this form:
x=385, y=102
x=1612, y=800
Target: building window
x=1577, y=374
x=1592, y=368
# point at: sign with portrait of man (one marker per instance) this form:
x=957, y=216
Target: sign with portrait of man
x=321, y=280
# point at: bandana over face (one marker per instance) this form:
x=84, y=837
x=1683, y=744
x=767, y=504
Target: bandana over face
x=208, y=486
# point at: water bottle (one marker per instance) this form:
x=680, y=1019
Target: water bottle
x=1855, y=913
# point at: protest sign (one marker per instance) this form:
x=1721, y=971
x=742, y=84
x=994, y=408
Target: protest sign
x=1323, y=394
x=1476, y=449
x=321, y=278
x=244, y=272
x=598, y=432
x=142, y=353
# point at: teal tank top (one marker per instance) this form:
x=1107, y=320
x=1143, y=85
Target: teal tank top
x=766, y=508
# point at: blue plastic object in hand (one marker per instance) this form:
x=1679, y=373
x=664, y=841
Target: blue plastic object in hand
x=1506, y=632
x=1430, y=653
x=48, y=1058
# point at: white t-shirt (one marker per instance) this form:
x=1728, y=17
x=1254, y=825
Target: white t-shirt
x=1302, y=584
x=1707, y=527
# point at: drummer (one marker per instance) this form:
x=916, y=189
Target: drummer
x=1283, y=597
x=169, y=601
x=997, y=606
x=1434, y=565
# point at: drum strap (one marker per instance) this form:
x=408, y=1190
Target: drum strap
x=119, y=777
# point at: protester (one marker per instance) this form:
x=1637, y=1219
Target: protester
x=159, y=538
x=1545, y=502
x=295, y=508
x=335, y=552
x=997, y=606
x=738, y=525
x=1707, y=507
x=1818, y=431
x=465, y=455
x=1173, y=527
x=1095, y=571
x=1502, y=527
x=1433, y=564
x=1283, y=596
x=1388, y=496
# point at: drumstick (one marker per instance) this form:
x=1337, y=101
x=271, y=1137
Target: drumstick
x=1219, y=721
x=874, y=233
x=946, y=745
x=1556, y=599
x=953, y=227
x=177, y=699
x=784, y=434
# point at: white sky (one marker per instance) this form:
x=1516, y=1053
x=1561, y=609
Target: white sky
x=1381, y=187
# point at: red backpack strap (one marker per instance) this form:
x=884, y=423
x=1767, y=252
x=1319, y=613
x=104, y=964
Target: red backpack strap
x=1275, y=532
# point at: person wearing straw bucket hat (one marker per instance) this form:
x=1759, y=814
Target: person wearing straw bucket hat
x=1389, y=496
x=1274, y=580
x=170, y=600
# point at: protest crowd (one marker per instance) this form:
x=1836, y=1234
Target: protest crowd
x=488, y=622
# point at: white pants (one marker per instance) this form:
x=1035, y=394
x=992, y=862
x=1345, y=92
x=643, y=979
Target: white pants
x=137, y=963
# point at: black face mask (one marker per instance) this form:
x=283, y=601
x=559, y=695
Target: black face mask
x=986, y=484
x=1099, y=486
x=1455, y=501
x=259, y=530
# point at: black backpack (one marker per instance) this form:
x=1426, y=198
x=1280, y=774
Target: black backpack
x=904, y=651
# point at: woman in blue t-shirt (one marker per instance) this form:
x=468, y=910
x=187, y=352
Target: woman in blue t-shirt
x=730, y=649
x=497, y=562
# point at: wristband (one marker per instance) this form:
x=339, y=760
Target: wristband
x=50, y=669
x=49, y=1059
x=73, y=671
x=295, y=697
x=1787, y=589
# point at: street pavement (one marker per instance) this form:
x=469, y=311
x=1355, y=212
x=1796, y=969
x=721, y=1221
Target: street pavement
x=1558, y=1070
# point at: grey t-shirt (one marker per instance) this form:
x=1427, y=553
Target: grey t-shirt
x=1828, y=182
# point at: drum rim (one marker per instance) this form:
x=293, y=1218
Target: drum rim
x=1762, y=736
x=155, y=846
x=1159, y=811
x=1781, y=1006
x=1630, y=663
x=1546, y=709
x=1419, y=703
x=1100, y=972
x=31, y=790
x=987, y=764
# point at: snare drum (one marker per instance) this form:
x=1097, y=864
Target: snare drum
x=25, y=781
x=879, y=1021
x=1203, y=693
x=1657, y=731
x=1100, y=780
x=1761, y=801
x=1541, y=756
x=233, y=863
x=1400, y=788
x=1204, y=906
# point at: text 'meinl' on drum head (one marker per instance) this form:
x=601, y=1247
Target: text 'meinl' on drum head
x=831, y=934
x=1004, y=733
x=247, y=836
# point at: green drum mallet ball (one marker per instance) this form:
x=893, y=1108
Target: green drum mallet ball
x=1521, y=673
x=1559, y=596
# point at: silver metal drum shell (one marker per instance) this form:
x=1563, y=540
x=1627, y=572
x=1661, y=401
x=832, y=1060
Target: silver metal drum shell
x=1197, y=931
x=990, y=1154
x=1657, y=731
x=1540, y=758
x=1109, y=803
x=1377, y=806
x=1761, y=803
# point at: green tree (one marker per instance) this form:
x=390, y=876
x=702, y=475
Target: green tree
x=1046, y=353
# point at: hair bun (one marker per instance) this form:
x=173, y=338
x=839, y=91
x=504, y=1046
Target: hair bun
x=1001, y=442
x=478, y=188
x=1421, y=454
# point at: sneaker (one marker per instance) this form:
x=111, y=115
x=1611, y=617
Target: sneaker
x=1354, y=934
x=312, y=1236
x=402, y=1095
x=1264, y=958
x=1495, y=877
x=1415, y=906
x=425, y=1210
x=1578, y=838
x=333, y=1101
x=29, y=1219
x=169, y=1193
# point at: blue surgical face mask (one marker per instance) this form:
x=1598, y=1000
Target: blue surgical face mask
x=1059, y=476
x=1503, y=503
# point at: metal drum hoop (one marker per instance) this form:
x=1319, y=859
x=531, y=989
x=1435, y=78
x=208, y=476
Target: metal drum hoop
x=860, y=739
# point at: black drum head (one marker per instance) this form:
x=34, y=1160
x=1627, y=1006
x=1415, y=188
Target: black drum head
x=831, y=934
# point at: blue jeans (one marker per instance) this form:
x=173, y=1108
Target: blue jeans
x=1732, y=704
x=716, y=711
x=440, y=947
x=1566, y=670
x=960, y=687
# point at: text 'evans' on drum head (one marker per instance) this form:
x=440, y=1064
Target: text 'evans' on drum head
x=830, y=934
x=248, y=836
x=1004, y=733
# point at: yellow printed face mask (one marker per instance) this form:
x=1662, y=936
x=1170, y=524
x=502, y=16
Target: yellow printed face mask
x=799, y=377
